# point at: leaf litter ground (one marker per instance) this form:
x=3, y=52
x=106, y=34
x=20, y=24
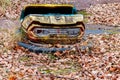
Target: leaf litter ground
x=96, y=57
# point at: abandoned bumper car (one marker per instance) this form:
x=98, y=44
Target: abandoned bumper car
x=47, y=25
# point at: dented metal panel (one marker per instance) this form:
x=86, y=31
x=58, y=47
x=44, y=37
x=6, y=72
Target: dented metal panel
x=53, y=19
x=51, y=27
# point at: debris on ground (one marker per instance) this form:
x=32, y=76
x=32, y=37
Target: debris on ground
x=100, y=60
x=106, y=14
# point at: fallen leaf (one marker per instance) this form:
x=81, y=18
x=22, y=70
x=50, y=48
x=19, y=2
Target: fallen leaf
x=19, y=48
x=21, y=74
x=112, y=69
x=13, y=77
x=58, y=54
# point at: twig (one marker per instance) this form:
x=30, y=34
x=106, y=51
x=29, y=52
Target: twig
x=78, y=50
x=89, y=73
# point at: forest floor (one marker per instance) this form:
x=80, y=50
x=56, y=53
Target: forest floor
x=96, y=57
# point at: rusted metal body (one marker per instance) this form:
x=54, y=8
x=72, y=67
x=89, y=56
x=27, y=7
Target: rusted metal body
x=52, y=24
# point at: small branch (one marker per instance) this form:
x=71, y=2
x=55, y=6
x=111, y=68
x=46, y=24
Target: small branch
x=78, y=50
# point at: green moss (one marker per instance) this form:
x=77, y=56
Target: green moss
x=64, y=71
x=52, y=57
x=83, y=12
x=24, y=58
x=59, y=70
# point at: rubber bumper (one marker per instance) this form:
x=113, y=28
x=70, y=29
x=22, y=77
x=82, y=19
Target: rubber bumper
x=37, y=49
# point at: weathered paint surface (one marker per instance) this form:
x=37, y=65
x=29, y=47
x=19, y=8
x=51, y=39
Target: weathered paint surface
x=52, y=19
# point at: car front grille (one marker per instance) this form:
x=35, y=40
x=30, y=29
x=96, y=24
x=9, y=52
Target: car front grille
x=71, y=32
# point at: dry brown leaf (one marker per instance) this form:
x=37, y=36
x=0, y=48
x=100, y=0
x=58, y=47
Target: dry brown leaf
x=21, y=74
x=58, y=45
x=85, y=43
x=1, y=10
x=19, y=48
x=58, y=54
x=65, y=53
x=13, y=77
x=72, y=56
x=112, y=69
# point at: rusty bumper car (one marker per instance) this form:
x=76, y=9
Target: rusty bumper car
x=50, y=24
